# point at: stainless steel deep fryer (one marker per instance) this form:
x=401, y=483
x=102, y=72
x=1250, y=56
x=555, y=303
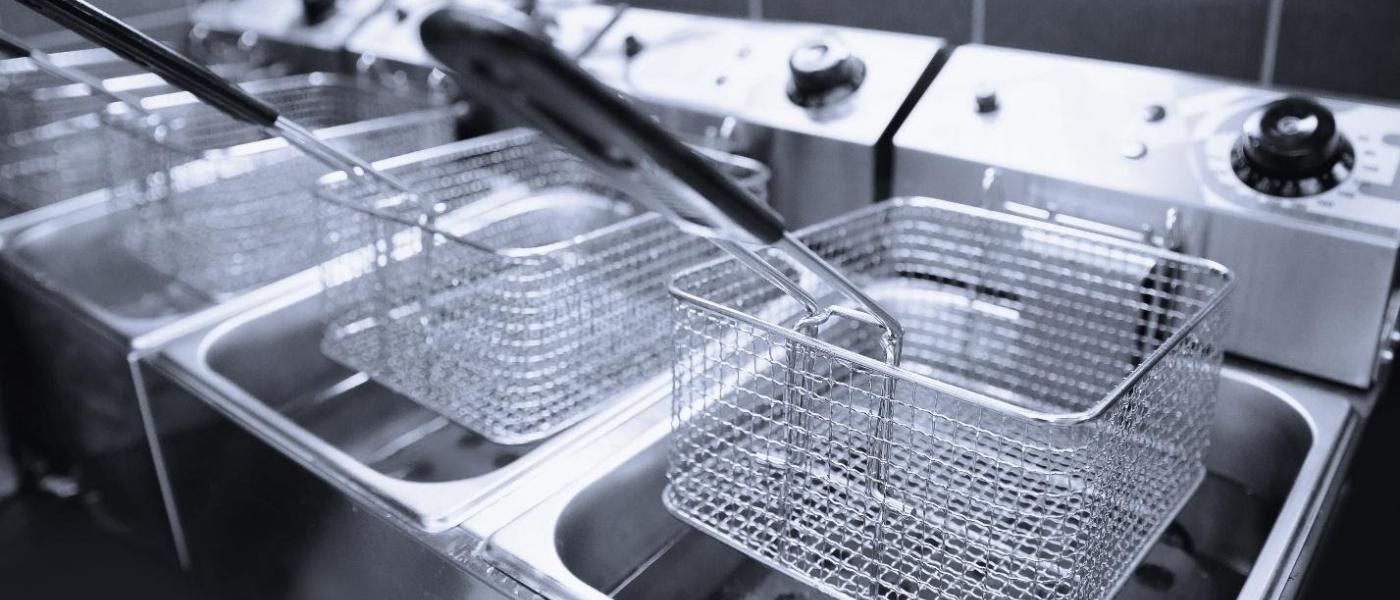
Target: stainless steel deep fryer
x=1049, y=415
x=515, y=292
x=86, y=154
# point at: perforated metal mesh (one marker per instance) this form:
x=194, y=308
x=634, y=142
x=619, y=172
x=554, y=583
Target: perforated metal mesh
x=1002, y=460
x=517, y=292
x=31, y=160
x=76, y=156
x=33, y=98
x=248, y=217
x=28, y=93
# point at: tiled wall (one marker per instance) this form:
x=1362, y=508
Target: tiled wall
x=1344, y=46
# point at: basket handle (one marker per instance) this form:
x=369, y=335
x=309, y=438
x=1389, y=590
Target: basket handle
x=505, y=65
x=105, y=30
x=14, y=46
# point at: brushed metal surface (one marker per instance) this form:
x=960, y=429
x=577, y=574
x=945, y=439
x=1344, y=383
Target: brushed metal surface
x=1316, y=274
x=722, y=83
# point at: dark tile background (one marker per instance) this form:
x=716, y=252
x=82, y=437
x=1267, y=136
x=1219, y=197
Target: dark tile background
x=52, y=548
x=730, y=8
x=1346, y=46
x=1216, y=37
x=1350, y=46
x=949, y=19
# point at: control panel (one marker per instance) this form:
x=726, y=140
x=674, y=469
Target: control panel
x=314, y=24
x=1299, y=194
x=813, y=102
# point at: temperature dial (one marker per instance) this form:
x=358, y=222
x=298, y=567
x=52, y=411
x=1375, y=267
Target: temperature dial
x=824, y=72
x=1291, y=148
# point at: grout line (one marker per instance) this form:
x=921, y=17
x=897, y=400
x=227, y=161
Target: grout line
x=1272, y=24
x=979, y=21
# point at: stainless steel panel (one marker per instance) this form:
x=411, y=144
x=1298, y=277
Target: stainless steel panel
x=266, y=370
x=1073, y=137
x=723, y=83
x=292, y=476
x=393, y=35
x=286, y=22
x=83, y=310
x=260, y=524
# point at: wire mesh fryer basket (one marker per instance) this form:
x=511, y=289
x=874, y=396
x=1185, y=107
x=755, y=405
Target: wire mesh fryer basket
x=246, y=216
x=52, y=101
x=77, y=156
x=27, y=91
x=1049, y=416
x=515, y=294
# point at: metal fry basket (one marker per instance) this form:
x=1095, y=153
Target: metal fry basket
x=35, y=98
x=114, y=149
x=514, y=294
x=32, y=96
x=1048, y=418
x=246, y=216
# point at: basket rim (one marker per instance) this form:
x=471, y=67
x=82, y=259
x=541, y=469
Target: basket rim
x=115, y=113
x=308, y=81
x=327, y=185
x=79, y=58
x=1067, y=418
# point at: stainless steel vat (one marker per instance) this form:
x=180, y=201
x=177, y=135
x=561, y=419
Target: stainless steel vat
x=1245, y=533
x=276, y=455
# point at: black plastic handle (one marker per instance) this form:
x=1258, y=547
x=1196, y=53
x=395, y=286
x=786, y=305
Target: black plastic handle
x=14, y=46
x=501, y=64
x=105, y=30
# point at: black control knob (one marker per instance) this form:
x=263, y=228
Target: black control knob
x=1291, y=148
x=824, y=72
x=631, y=46
x=987, y=102
x=317, y=11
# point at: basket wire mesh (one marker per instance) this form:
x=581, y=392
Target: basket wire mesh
x=85, y=154
x=1049, y=416
x=20, y=78
x=52, y=101
x=246, y=216
x=516, y=293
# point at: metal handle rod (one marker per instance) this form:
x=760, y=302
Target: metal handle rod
x=507, y=66
x=597, y=36
x=111, y=33
x=894, y=331
x=329, y=155
x=17, y=48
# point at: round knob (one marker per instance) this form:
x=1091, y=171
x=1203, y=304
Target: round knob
x=987, y=100
x=1290, y=148
x=823, y=72
x=631, y=46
